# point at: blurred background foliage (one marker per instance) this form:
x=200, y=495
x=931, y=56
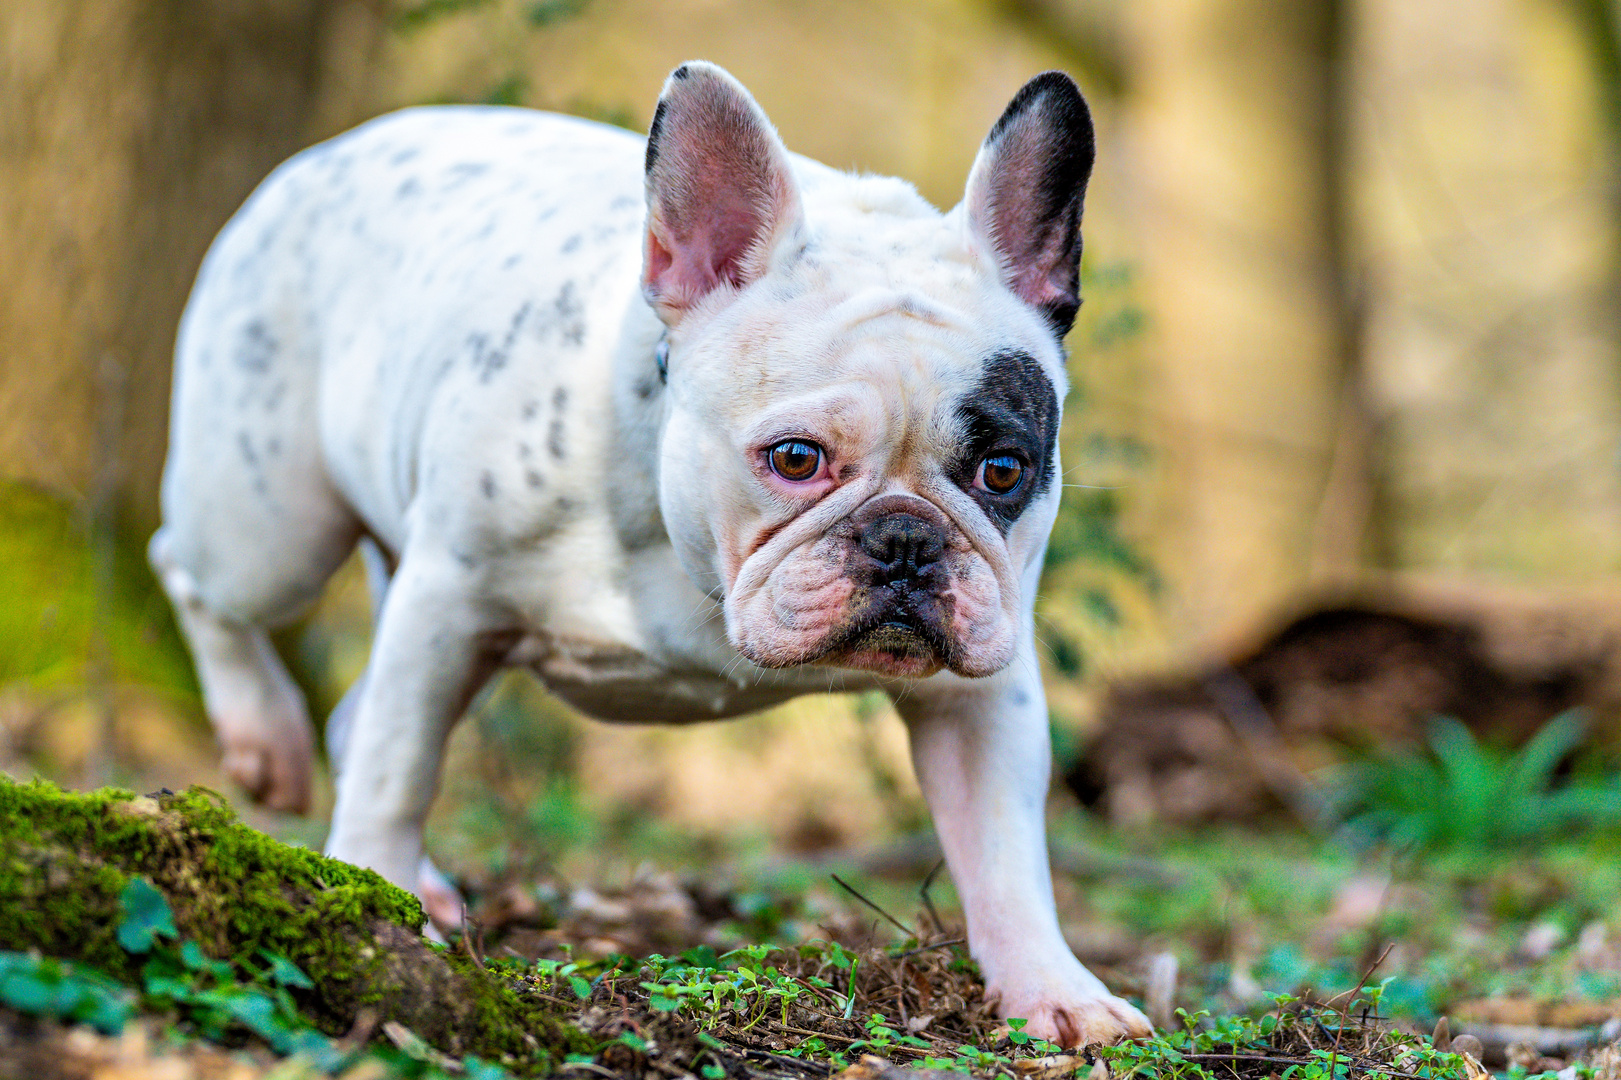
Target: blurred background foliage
x=1350, y=280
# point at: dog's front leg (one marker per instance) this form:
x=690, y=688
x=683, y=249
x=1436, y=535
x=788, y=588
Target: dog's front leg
x=982, y=754
x=431, y=652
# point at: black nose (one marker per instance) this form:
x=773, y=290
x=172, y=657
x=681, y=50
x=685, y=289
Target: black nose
x=903, y=546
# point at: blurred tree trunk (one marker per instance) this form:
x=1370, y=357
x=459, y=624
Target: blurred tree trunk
x=1235, y=108
x=1488, y=232
x=129, y=131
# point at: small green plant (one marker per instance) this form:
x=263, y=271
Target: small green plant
x=211, y=994
x=1298, y=1041
x=62, y=990
x=750, y=990
x=1464, y=794
x=215, y=999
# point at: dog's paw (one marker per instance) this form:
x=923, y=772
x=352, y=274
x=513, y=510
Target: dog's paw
x=1077, y=1019
x=441, y=900
x=277, y=767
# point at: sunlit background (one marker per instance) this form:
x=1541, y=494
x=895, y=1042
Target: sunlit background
x=1343, y=454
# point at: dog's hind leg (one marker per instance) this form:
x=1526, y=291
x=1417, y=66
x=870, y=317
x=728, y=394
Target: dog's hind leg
x=252, y=525
x=258, y=713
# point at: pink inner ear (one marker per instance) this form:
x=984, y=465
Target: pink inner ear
x=1039, y=277
x=718, y=192
x=1033, y=243
x=1025, y=194
x=708, y=242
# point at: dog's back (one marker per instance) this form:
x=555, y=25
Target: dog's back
x=326, y=297
x=411, y=258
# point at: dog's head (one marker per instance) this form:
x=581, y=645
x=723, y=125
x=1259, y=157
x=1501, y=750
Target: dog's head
x=860, y=452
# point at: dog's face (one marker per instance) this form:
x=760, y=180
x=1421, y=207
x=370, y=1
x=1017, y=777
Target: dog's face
x=860, y=453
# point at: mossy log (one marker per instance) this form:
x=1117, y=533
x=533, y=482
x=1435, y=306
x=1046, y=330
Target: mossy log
x=65, y=859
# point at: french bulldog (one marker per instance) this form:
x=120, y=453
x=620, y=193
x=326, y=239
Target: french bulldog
x=687, y=426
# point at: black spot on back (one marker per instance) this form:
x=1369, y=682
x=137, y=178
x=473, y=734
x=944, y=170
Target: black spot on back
x=488, y=359
x=569, y=315
x=484, y=359
x=554, y=434
x=463, y=171
x=1013, y=409
x=244, y=444
x=257, y=349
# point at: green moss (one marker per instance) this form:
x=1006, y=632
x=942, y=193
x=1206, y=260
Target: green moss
x=65, y=858
x=233, y=889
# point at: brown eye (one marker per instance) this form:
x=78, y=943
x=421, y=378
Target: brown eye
x=1002, y=474
x=796, y=460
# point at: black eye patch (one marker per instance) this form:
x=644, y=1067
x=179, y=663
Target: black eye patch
x=1013, y=409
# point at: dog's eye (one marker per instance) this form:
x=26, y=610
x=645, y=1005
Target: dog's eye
x=1001, y=474
x=796, y=460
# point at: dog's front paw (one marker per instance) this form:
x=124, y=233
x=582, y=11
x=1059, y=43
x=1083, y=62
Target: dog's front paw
x=1075, y=1018
x=441, y=900
x=275, y=765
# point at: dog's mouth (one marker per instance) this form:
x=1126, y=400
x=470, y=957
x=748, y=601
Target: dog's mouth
x=901, y=647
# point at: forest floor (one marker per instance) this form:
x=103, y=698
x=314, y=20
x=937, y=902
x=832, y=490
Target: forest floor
x=1259, y=955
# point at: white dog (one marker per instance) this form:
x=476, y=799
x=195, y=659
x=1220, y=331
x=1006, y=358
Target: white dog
x=686, y=426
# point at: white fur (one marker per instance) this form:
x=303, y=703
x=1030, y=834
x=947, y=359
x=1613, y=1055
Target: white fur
x=430, y=332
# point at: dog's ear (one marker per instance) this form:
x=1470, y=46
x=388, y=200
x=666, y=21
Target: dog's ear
x=1026, y=190
x=720, y=196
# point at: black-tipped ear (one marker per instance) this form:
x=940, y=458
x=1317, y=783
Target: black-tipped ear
x=720, y=195
x=1026, y=190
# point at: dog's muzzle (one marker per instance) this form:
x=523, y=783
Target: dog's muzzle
x=898, y=562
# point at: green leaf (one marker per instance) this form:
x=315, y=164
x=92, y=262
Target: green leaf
x=147, y=916
x=479, y=1069
x=703, y=957
x=582, y=988
x=43, y=986
x=283, y=972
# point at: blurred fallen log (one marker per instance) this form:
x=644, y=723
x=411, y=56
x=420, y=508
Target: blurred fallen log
x=1237, y=737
